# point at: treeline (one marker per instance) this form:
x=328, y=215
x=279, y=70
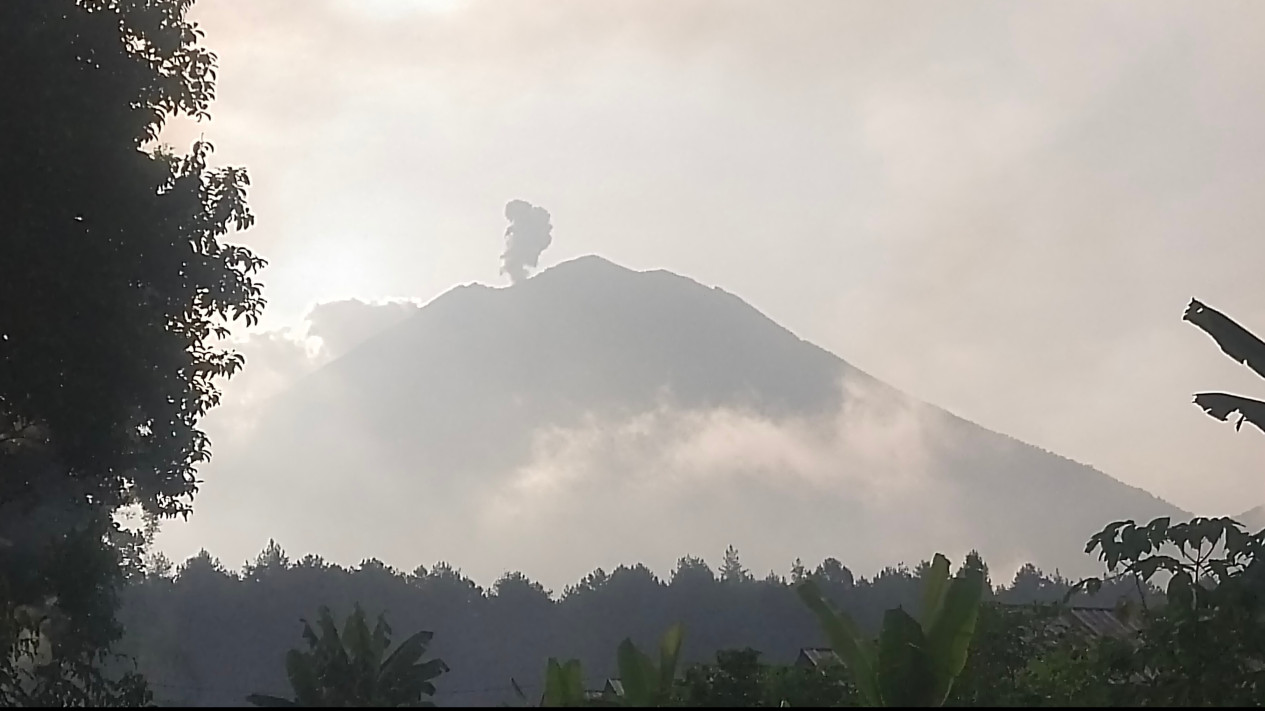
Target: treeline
x=204, y=635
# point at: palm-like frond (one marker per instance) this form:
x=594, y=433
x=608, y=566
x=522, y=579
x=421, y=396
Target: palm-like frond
x=1222, y=405
x=348, y=669
x=1238, y=343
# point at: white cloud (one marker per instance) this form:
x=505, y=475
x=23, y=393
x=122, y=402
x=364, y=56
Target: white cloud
x=660, y=484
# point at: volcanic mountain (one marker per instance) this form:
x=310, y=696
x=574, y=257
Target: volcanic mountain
x=593, y=415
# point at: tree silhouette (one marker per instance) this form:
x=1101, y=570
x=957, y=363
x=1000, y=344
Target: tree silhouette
x=233, y=630
x=353, y=669
x=691, y=571
x=832, y=573
x=731, y=569
x=116, y=280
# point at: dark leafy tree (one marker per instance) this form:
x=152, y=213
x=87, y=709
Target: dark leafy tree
x=1205, y=643
x=514, y=587
x=1008, y=640
x=692, y=571
x=1202, y=643
x=833, y=574
x=798, y=572
x=271, y=561
x=116, y=282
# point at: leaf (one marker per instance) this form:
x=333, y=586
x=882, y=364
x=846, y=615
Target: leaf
x=934, y=585
x=1234, y=340
x=329, y=640
x=1236, y=539
x=857, y=652
x=381, y=639
x=564, y=684
x=356, y=635
x=304, y=680
x=1181, y=591
x=429, y=669
x=309, y=635
x=1222, y=405
x=407, y=654
x=637, y=673
x=555, y=685
x=556, y=692
x=949, y=639
x=574, y=677
x=669, y=653
x=1146, y=569
x=1157, y=531
x=905, y=676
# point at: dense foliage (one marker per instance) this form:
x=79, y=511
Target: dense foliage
x=208, y=635
x=354, y=669
x=915, y=660
x=738, y=678
x=1204, y=641
x=115, y=282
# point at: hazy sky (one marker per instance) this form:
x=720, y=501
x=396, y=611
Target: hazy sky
x=1001, y=208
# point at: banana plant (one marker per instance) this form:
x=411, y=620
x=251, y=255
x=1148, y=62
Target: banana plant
x=354, y=670
x=645, y=683
x=914, y=661
x=564, y=687
x=564, y=684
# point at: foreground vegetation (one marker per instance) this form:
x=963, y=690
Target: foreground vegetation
x=117, y=255
x=1194, y=641
x=207, y=635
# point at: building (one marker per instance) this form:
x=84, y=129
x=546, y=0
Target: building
x=817, y=657
x=1099, y=622
x=613, y=688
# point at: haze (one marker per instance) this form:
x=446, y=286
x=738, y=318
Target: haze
x=999, y=208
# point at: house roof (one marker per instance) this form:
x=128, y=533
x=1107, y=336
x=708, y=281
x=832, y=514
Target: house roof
x=612, y=687
x=1102, y=621
x=818, y=656
x=1093, y=621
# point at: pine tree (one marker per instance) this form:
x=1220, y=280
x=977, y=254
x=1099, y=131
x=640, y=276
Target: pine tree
x=731, y=570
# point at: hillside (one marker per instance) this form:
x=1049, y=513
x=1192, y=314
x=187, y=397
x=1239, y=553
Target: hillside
x=593, y=415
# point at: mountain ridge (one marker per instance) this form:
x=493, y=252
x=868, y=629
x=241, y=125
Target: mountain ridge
x=462, y=403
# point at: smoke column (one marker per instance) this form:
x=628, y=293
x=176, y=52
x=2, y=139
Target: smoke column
x=528, y=234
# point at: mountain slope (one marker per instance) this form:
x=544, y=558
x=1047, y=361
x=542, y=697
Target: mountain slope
x=593, y=415
x=1253, y=519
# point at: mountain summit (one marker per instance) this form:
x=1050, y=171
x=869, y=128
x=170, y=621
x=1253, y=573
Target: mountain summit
x=594, y=415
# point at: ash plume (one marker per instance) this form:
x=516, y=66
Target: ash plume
x=528, y=234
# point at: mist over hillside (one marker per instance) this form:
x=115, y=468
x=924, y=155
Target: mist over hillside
x=592, y=415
